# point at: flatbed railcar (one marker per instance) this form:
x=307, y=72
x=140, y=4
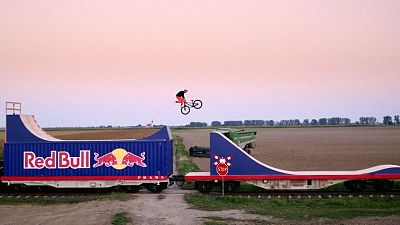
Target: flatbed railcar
x=34, y=158
x=232, y=164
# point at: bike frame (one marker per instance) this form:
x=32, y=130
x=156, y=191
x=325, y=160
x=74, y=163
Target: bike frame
x=190, y=104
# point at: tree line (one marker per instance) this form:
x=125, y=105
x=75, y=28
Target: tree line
x=334, y=121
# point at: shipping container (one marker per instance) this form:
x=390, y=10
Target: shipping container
x=33, y=157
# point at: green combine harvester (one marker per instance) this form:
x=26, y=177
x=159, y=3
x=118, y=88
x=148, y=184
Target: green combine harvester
x=245, y=139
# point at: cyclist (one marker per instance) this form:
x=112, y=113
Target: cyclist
x=181, y=97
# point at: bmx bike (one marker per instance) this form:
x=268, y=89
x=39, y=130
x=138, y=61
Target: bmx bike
x=185, y=109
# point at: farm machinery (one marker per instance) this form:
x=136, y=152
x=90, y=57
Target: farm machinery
x=245, y=139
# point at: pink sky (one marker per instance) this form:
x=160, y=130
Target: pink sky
x=82, y=63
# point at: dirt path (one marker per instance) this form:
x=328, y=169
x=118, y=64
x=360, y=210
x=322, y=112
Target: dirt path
x=97, y=212
x=143, y=208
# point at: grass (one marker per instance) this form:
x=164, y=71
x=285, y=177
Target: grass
x=216, y=220
x=180, y=149
x=182, y=162
x=299, y=209
x=121, y=219
x=120, y=196
x=214, y=223
x=185, y=166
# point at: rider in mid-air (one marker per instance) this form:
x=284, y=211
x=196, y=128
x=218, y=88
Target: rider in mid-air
x=181, y=97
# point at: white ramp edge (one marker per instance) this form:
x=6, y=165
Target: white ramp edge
x=31, y=124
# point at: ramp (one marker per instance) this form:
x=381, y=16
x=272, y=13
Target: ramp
x=26, y=129
x=243, y=164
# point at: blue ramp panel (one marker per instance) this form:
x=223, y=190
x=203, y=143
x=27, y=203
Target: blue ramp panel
x=242, y=163
x=17, y=132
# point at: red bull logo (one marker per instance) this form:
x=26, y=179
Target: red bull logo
x=119, y=159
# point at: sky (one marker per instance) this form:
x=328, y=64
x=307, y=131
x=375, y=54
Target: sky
x=91, y=63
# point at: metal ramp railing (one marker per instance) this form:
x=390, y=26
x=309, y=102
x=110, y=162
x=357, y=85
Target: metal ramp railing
x=13, y=107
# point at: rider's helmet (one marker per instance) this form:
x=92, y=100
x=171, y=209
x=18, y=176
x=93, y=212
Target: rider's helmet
x=185, y=90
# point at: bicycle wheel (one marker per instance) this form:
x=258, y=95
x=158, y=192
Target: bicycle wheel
x=185, y=110
x=197, y=104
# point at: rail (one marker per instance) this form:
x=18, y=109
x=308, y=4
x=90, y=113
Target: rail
x=14, y=107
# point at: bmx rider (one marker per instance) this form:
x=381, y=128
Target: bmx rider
x=181, y=97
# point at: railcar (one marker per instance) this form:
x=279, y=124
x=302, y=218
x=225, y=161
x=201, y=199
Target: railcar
x=34, y=158
x=232, y=164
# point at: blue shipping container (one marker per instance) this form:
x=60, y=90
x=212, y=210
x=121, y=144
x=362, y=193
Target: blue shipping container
x=80, y=160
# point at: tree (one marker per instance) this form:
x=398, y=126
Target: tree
x=397, y=119
x=269, y=122
x=314, y=122
x=306, y=122
x=387, y=120
x=254, y=122
x=345, y=121
x=216, y=124
x=368, y=120
x=334, y=121
x=323, y=121
x=197, y=124
x=233, y=123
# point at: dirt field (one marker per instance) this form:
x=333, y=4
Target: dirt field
x=107, y=134
x=333, y=148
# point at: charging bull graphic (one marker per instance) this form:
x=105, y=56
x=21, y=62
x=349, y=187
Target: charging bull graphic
x=131, y=159
x=108, y=159
x=119, y=159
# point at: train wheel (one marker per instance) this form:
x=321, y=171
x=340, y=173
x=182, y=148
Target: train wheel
x=20, y=188
x=383, y=185
x=231, y=186
x=132, y=188
x=203, y=186
x=156, y=188
x=355, y=185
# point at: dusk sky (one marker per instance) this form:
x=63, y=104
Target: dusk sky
x=90, y=63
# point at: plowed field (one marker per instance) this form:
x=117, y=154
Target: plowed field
x=331, y=148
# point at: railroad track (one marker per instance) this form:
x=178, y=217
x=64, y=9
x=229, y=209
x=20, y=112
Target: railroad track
x=32, y=196
x=65, y=194
x=313, y=194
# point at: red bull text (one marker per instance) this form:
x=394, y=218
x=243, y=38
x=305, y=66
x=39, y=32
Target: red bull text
x=118, y=159
x=60, y=160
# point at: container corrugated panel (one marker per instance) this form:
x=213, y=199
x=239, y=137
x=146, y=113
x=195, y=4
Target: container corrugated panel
x=142, y=158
